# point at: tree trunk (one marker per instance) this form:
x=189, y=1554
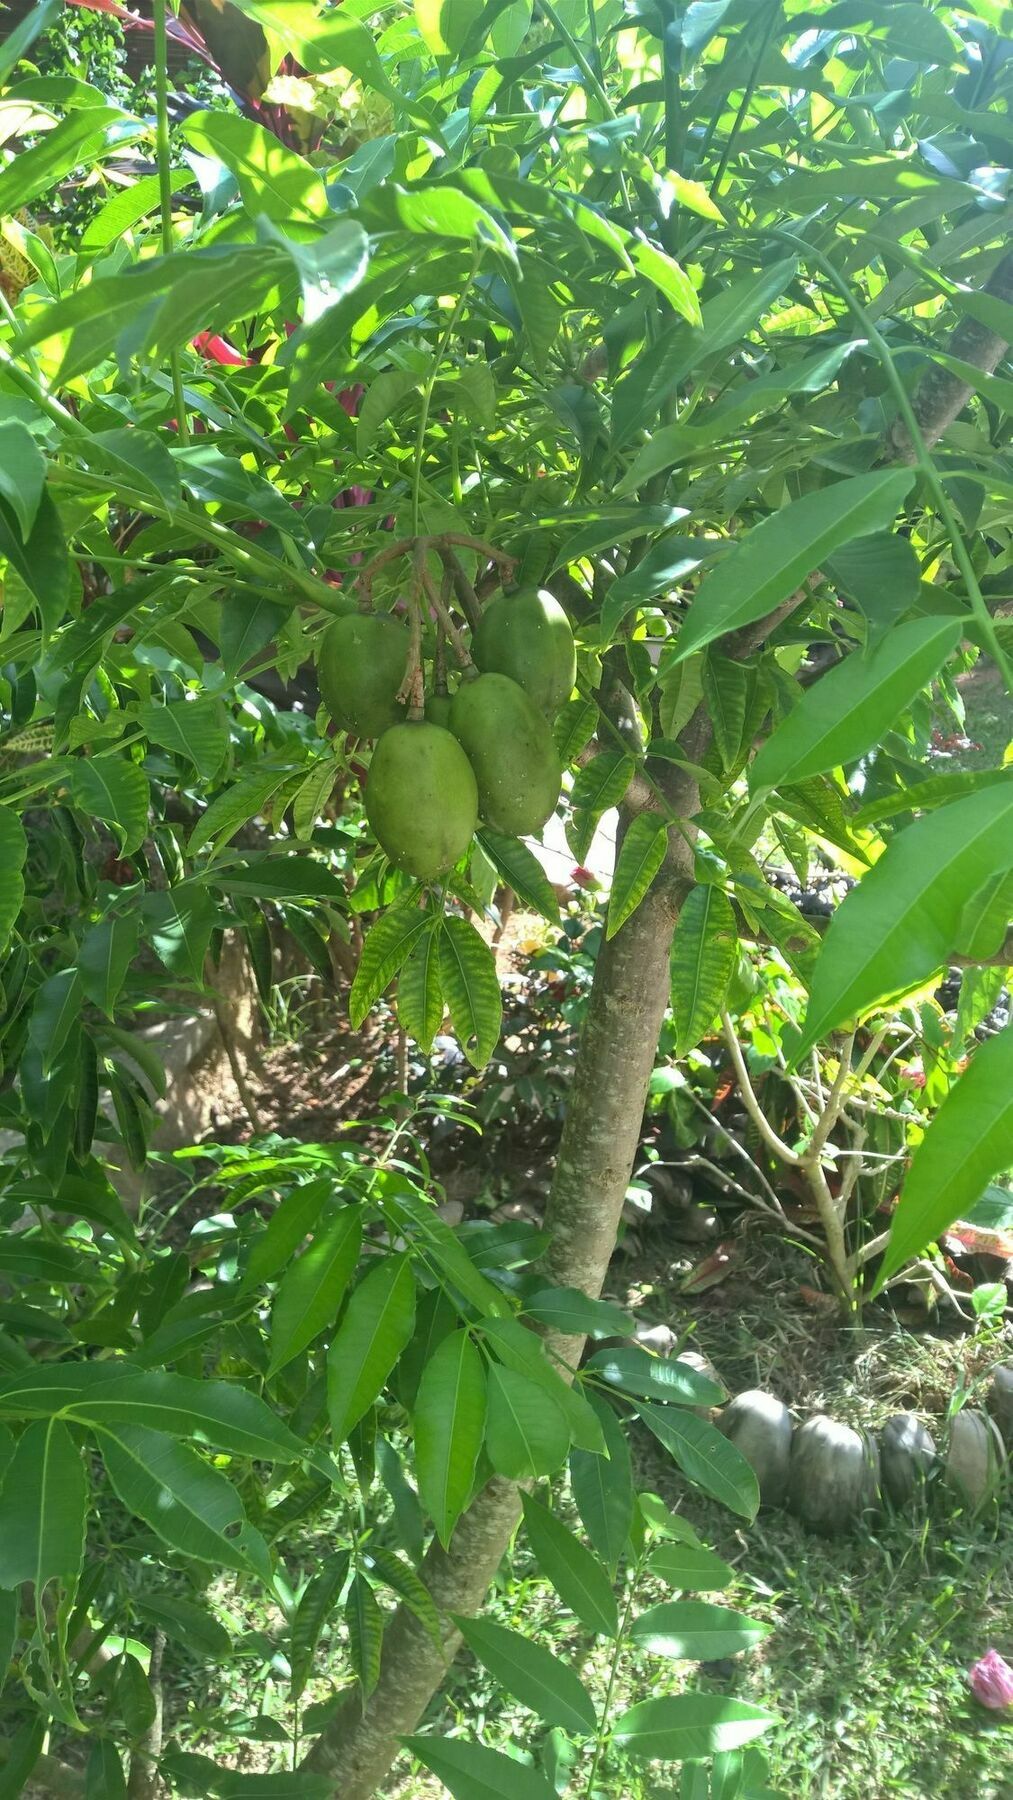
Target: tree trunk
x=596, y=1156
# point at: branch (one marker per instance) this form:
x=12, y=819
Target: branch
x=942, y=395
x=781, y=1150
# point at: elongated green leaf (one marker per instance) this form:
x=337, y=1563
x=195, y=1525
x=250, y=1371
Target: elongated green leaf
x=106, y=952
x=225, y=1415
x=856, y=703
x=578, y=1577
x=55, y=1012
x=42, y=561
x=139, y=460
x=379, y=403
x=312, y=1613
x=572, y=728
x=704, y=950
x=397, y=1574
x=571, y=1310
x=179, y=923
x=968, y=1142
x=22, y=473
x=880, y=572
x=231, y=810
x=471, y=1772
x=76, y=139
x=526, y=1433
x=450, y=1412
x=902, y=921
x=703, y=1456
x=531, y=1674
x=603, y=1488
x=985, y=918
x=640, y=857
x=925, y=796
x=128, y=206
x=471, y=986
x=13, y=850
x=104, y=1775
x=193, y=1626
x=634, y=1371
x=116, y=792
x=190, y=1505
x=419, y=990
x=364, y=1621
x=690, y=1567
x=312, y=1290
x=273, y=180
x=445, y=24
x=602, y=782
x=388, y=945
x=726, y=689
x=521, y=870
x=287, y=1229
x=689, y=1727
x=39, y=18
x=42, y=1508
x=696, y=1631
x=378, y=1322
x=520, y=1349
x=10, y=1607
x=773, y=559
x=195, y=730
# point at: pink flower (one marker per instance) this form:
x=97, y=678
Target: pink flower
x=992, y=1681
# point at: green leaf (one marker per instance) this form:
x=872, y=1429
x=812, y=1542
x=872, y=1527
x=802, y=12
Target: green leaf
x=42, y=561
x=444, y=24
x=522, y=1350
x=668, y=277
x=520, y=868
x=526, y=1434
x=104, y=1774
x=196, y=730
x=602, y=1488
x=193, y=1626
x=42, y=1509
x=186, y=1502
x=706, y=1458
x=22, y=474
x=364, y=1621
x=640, y=857
x=378, y=1323
x=13, y=851
x=690, y=1567
x=471, y=988
x=471, y=1772
x=985, y=918
x=902, y=921
x=726, y=690
x=572, y=728
x=128, y=206
x=140, y=459
x=773, y=559
x=55, y=1012
x=578, y=1577
x=880, y=572
x=855, y=704
x=223, y=1414
x=10, y=1608
x=132, y=1695
x=315, y=1608
x=116, y=792
x=17, y=42
x=602, y=782
x=179, y=923
x=969, y=1141
x=531, y=1674
x=397, y=1574
x=272, y=179
x=106, y=953
x=419, y=993
x=248, y=623
x=449, y=1417
x=76, y=139
x=570, y=1310
x=381, y=400
x=695, y=1631
x=287, y=1229
x=704, y=951
x=388, y=945
x=689, y=1727
x=636, y=1371
x=312, y=1289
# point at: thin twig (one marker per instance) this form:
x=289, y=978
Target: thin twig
x=461, y=651
x=781, y=1150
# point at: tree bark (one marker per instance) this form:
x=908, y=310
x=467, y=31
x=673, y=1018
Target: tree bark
x=942, y=395
x=596, y=1156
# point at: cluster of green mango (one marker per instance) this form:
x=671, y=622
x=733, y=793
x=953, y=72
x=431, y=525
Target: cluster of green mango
x=484, y=752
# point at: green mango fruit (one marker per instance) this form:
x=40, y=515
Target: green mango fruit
x=510, y=748
x=527, y=636
x=421, y=798
x=362, y=665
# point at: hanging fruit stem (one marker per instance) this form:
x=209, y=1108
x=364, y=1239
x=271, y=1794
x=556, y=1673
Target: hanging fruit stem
x=442, y=612
x=411, y=693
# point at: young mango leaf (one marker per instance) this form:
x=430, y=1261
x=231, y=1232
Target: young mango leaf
x=471, y=1772
x=570, y=1310
x=602, y=1488
x=312, y=1289
x=521, y=869
x=287, y=1229
x=364, y=1622
x=726, y=690
x=902, y=921
x=854, y=705
x=531, y=1674
x=237, y=805
x=471, y=986
x=42, y=1509
x=526, y=1433
x=116, y=792
x=704, y=953
x=689, y=1727
x=42, y=561
x=312, y=1613
x=706, y=1458
x=631, y=1370
x=640, y=857
x=450, y=1412
x=106, y=953
x=602, y=782
x=388, y=945
x=578, y=1577
x=420, y=992
x=691, y=1567
x=696, y=1631
x=186, y=1502
x=398, y=1575
x=773, y=559
x=222, y=1414
x=378, y=1323
x=968, y=1142
x=520, y=1349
